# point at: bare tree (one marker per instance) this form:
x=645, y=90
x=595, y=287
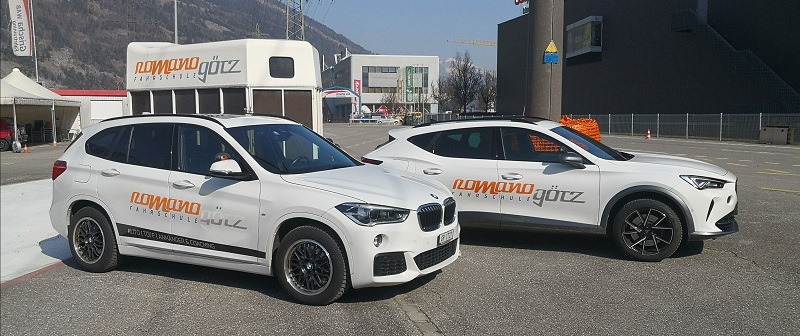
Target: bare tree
x=441, y=92
x=488, y=91
x=465, y=80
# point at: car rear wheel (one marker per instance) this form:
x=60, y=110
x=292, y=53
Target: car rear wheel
x=92, y=241
x=311, y=266
x=4, y=146
x=647, y=230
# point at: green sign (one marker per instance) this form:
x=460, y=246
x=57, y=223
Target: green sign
x=409, y=84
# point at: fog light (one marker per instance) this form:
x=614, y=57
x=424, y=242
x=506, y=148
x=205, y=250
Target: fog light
x=378, y=240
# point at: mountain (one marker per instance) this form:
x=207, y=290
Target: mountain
x=82, y=44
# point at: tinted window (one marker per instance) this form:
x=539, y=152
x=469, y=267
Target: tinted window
x=198, y=147
x=422, y=140
x=119, y=150
x=281, y=67
x=100, y=144
x=469, y=143
x=521, y=144
x=150, y=145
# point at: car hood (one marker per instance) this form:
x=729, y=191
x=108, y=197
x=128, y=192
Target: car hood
x=674, y=161
x=376, y=185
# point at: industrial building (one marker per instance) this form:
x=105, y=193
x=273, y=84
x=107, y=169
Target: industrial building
x=398, y=82
x=662, y=57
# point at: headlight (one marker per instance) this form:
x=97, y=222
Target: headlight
x=371, y=214
x=701, y=182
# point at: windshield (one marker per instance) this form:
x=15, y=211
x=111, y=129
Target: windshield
x=290, y=149
x=593, y=146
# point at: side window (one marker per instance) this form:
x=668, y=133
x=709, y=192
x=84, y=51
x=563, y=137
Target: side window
x=100, y=144
x=198, y=147
x=422, y=140
x=150, y=145
x=468, y=143
x=525, y=145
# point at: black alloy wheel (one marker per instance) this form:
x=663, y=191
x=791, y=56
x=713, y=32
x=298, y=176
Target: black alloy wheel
x=92, y=241
x=647, y=230
x=311, y=266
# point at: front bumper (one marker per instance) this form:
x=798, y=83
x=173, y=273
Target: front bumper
x=405, y=253
x=727, y=225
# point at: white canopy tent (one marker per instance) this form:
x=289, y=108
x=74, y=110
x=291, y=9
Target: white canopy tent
x=34, y=102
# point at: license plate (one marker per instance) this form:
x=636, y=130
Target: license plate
x=446, y=237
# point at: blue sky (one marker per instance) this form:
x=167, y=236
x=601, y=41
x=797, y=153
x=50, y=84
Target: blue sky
x=418, y=27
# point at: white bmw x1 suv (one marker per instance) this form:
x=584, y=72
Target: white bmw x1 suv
x=249, y=193
x=520, y=173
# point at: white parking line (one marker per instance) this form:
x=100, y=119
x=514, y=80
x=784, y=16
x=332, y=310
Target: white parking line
x=772, y=163
x=745, y=160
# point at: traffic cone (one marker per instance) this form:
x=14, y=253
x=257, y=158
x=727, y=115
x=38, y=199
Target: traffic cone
x=25, y=149
x=648, y=135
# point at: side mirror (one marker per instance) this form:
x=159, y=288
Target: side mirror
x=572, y=159
x=227, y=168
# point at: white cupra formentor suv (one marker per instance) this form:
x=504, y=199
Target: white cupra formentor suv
x=249, y=193
x=520, y=173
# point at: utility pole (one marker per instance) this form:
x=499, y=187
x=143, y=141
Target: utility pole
x=546, y=24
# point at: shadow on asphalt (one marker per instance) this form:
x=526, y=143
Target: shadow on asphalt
x=266, y=285
x=593, y=245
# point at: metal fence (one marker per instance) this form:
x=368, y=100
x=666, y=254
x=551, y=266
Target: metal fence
x=739, y=127
x=736, y=127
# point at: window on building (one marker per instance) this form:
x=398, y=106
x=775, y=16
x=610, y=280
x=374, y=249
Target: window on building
x=162, y=102
x=281, y=67
x=185, y=102
x=140, y=102
x=234, y=100
x=585, y=36
x=208, y=101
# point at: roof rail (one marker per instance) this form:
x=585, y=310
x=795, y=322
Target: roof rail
x=525, y=119
x=211, y=117
x=149, y=115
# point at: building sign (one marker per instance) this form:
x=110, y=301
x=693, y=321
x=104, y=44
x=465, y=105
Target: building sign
x=409, y=84
x=337, y=94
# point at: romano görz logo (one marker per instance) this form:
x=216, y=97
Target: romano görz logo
x=514, y=191
x=183, y=68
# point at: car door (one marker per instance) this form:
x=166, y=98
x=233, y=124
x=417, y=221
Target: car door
x=132, y=175
x=213, y=216
x=544, y=193
x=464, y=160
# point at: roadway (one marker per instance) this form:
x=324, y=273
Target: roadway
x=504, y=283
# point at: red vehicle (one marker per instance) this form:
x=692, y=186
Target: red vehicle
x=7, y=135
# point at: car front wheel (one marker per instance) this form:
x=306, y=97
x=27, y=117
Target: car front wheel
x=647, y=230
x=92, y=241
x=311, y=266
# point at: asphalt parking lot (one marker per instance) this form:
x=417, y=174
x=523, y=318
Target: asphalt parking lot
x=504, y=283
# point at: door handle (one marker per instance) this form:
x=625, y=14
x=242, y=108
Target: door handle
x=182, y=184
x=432, y=171
x=110, y=172
x=511, y=176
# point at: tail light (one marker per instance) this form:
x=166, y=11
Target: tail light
x=370, y=161
x=59, y=167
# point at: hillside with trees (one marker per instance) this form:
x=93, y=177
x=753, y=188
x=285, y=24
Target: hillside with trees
x=82, y=44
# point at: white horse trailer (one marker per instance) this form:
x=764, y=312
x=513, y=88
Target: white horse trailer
x=249, y=76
